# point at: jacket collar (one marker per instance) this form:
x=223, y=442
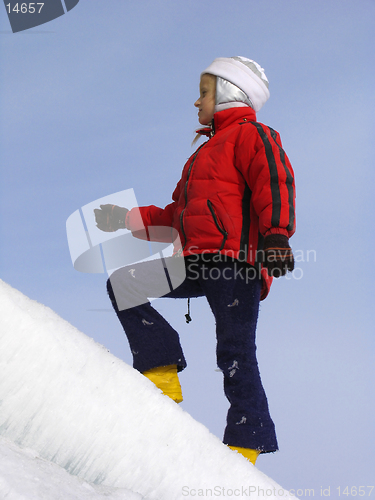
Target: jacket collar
x=223, y=119
x=227, y=117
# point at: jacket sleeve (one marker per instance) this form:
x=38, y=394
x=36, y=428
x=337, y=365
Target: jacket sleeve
x=151, y=222
x=269, y=175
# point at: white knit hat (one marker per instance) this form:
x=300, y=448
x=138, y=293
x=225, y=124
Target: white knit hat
x=245, y=74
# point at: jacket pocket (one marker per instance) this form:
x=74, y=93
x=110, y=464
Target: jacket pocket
x=218, y=224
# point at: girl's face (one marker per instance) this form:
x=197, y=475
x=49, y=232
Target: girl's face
x=206, y=101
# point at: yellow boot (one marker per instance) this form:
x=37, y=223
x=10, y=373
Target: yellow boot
x=248, y=453
x=166, y=379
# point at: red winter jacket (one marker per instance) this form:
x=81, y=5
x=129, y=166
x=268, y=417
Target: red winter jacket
x=234, y=190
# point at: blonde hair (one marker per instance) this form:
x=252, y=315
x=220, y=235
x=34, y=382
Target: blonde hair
x=196, y=139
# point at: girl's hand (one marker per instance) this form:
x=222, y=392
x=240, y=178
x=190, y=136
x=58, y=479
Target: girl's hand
x=278, y=255
x=110, y=218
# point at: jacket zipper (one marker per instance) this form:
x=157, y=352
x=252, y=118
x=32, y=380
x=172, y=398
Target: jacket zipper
x=218, y=225
x=185, y=194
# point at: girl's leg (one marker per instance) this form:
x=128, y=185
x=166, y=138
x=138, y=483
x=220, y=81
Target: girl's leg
x=153, y=341
x=233, y=291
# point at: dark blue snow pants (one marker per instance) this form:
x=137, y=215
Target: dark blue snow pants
x=232, y=289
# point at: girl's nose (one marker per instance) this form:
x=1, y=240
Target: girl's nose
x=196, y=104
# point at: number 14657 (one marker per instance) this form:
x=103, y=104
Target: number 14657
x=25, y=7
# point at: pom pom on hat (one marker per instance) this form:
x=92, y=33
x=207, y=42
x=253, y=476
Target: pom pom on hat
x=246, y=74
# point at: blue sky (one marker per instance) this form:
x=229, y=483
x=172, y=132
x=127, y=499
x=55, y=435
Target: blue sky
x=101, y=100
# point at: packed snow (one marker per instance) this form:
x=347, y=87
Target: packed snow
x=26, y=476
x=76, y=422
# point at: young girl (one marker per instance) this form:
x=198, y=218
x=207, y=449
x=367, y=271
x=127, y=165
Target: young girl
x=233, y=209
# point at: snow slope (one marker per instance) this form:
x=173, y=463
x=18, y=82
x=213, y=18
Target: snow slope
x=77, y=406
x=25, y=476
